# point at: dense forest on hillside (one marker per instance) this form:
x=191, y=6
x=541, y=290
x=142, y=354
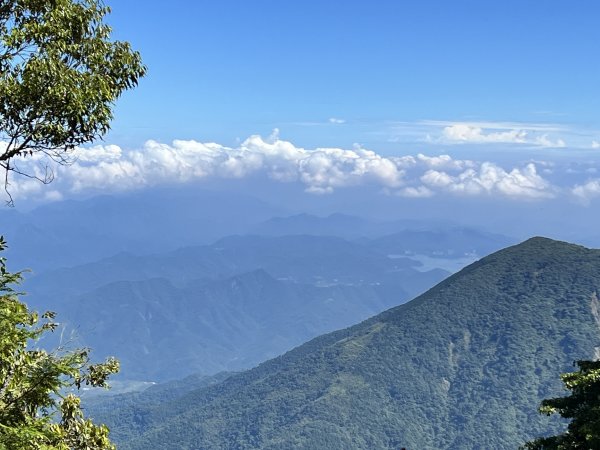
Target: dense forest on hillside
x=464, y=365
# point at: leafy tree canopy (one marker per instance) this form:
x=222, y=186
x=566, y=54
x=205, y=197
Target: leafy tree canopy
x=582, y=407
x=36, y=410
x=60, y=74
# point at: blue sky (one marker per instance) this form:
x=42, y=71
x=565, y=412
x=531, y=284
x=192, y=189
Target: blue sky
x=490, y=101
x=229, y=69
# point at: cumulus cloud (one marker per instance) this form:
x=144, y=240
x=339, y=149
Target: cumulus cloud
x=99, y=153
x=489, y=178
x=444, y=162
x=595, y=144
x=587, y=191
x=336, y=120
x=319, y=170
x=433, y=162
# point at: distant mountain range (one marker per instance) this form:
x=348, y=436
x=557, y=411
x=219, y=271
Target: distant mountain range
x=148, y=278
x=70, y=233
x=161, y=332
x=310, y=259
x=225, y=306
x=463, y=366
x=341, y=225
x=73, y=232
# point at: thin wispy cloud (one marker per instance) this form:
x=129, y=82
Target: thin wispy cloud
x=499, y=134
x=318, y=123
x=468, y=133
x=524, y=134
x=499, y=125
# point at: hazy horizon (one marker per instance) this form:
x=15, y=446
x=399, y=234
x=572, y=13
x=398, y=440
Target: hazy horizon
x=476, y=114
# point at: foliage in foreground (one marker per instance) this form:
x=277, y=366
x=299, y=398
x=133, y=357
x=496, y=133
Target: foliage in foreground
x=582, y=407
x=60, y=74
x=35, y=411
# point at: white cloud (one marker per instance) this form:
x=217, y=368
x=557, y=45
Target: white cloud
x=433, y=162
x=444, y=162
x=523, y=134
x=319, y=170
x=536, y=135
x=98, y=153
x=489, y=178
x=328, y=168
x=595, y=144
x=544, y=141
x=587, y=191
x=404, y=162
x=526, y=126
x=464, y=132
x=437, y=179
x=336, y=120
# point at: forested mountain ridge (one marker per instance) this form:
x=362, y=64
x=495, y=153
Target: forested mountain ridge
x=161, y=332
x=463, y=366
x=226, y=306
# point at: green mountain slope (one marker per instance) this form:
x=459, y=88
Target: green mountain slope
x=227, y=306
x=160, y=332
x=304, y=259
x=463, y=366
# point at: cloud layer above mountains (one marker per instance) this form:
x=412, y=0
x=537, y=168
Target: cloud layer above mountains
x=320, y=170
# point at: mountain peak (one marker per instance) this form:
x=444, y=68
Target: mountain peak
x=498, y=334
x=542, y=241
x=539, y=248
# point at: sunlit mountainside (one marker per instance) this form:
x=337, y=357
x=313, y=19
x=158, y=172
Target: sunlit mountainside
x=462, y=366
